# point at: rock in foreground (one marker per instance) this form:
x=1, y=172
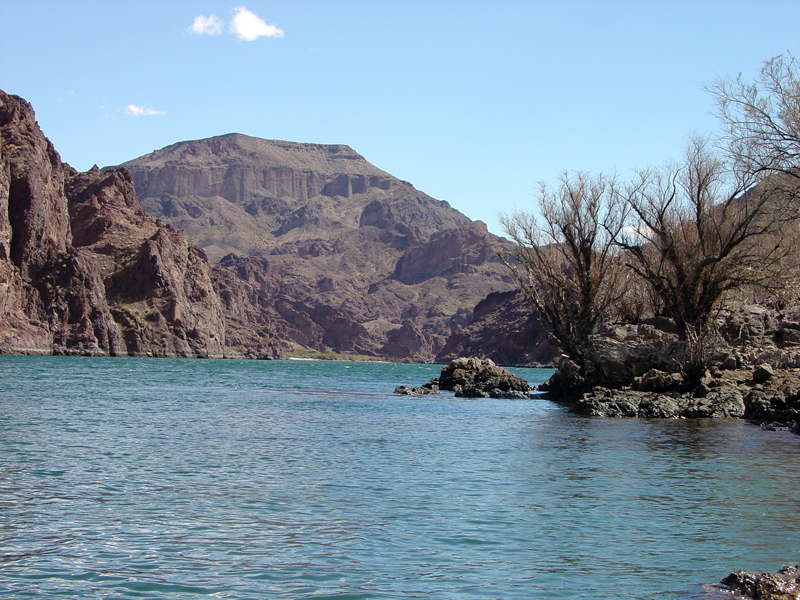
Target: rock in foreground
x=782, y=585
x=429, y=389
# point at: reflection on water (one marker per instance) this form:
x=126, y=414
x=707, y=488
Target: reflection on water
x=125, y=478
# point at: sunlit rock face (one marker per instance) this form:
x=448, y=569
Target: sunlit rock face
x=83, y=270
x=334, y=253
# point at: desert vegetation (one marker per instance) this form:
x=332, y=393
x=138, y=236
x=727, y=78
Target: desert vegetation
x=677, y=242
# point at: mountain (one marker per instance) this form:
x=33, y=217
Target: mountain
x=338, y=254
x=83, y=269
x=253, y=248
x=239, y=194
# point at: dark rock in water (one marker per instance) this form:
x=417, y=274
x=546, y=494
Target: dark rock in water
x=636, y=371
x=407, y=390
x=782, y=585
x=427, y=389
x=774, y=404
x=475, y=375
x=723, y=402
x=473, y=378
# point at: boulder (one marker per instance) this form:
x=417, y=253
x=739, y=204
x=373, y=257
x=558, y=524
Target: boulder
x=474, y=375
x=473, y=378
x=658, y=381
x=781, y=585
x=762, y=373
x=407, y=390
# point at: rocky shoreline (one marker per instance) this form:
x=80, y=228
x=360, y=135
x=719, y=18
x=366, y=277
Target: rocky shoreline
x=763, y=396
x=752, y=371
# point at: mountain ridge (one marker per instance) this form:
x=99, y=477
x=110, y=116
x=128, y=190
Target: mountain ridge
x=365, y=264
x=269, y=153
x=354, y=259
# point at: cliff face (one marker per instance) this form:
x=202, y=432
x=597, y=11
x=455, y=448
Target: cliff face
x=240, y=194
x=317, y=245
x=83, y=270
x=341, y=295
x=505, y=329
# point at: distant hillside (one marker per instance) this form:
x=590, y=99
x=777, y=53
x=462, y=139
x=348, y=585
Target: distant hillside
x=344, y=256
x=243, y=195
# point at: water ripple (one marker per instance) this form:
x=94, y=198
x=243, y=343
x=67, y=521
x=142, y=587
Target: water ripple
x=131, y=478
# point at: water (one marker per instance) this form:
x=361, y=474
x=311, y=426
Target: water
x=152, y=478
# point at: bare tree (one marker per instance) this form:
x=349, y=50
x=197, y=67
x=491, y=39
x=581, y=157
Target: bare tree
x=567, y=263
x=695, y=231
x=762, y=119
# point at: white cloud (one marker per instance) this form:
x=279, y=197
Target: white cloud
x=140, y=111
x=247, y=26
x=211, y=25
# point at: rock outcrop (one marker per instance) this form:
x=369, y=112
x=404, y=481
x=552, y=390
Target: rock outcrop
x=636, y=371
x=472, y=378
x=83, y=270
x=505, y=329
x=781, y=585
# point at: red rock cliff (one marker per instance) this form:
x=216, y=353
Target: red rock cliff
x=83, y=270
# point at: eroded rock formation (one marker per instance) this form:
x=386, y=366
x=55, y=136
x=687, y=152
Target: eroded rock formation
x=784, y=584
x=83, y=270
x=505, y=329
x=636, y=371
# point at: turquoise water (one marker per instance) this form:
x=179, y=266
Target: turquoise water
x=156, y=478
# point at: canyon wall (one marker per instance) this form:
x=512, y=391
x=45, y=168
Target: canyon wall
x=83, y=269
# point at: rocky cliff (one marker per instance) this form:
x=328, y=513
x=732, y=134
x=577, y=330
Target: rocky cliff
x=505, y=329
x=83, y=270
x=239, y=194
x=334, y=253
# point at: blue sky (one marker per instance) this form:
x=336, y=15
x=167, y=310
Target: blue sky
x=472, y=102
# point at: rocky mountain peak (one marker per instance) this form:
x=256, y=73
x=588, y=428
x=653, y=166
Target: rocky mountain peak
x=35, y=226
x=240, y=194
x=239, y=149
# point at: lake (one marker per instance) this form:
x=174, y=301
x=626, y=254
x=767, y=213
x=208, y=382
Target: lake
x=162, y=478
